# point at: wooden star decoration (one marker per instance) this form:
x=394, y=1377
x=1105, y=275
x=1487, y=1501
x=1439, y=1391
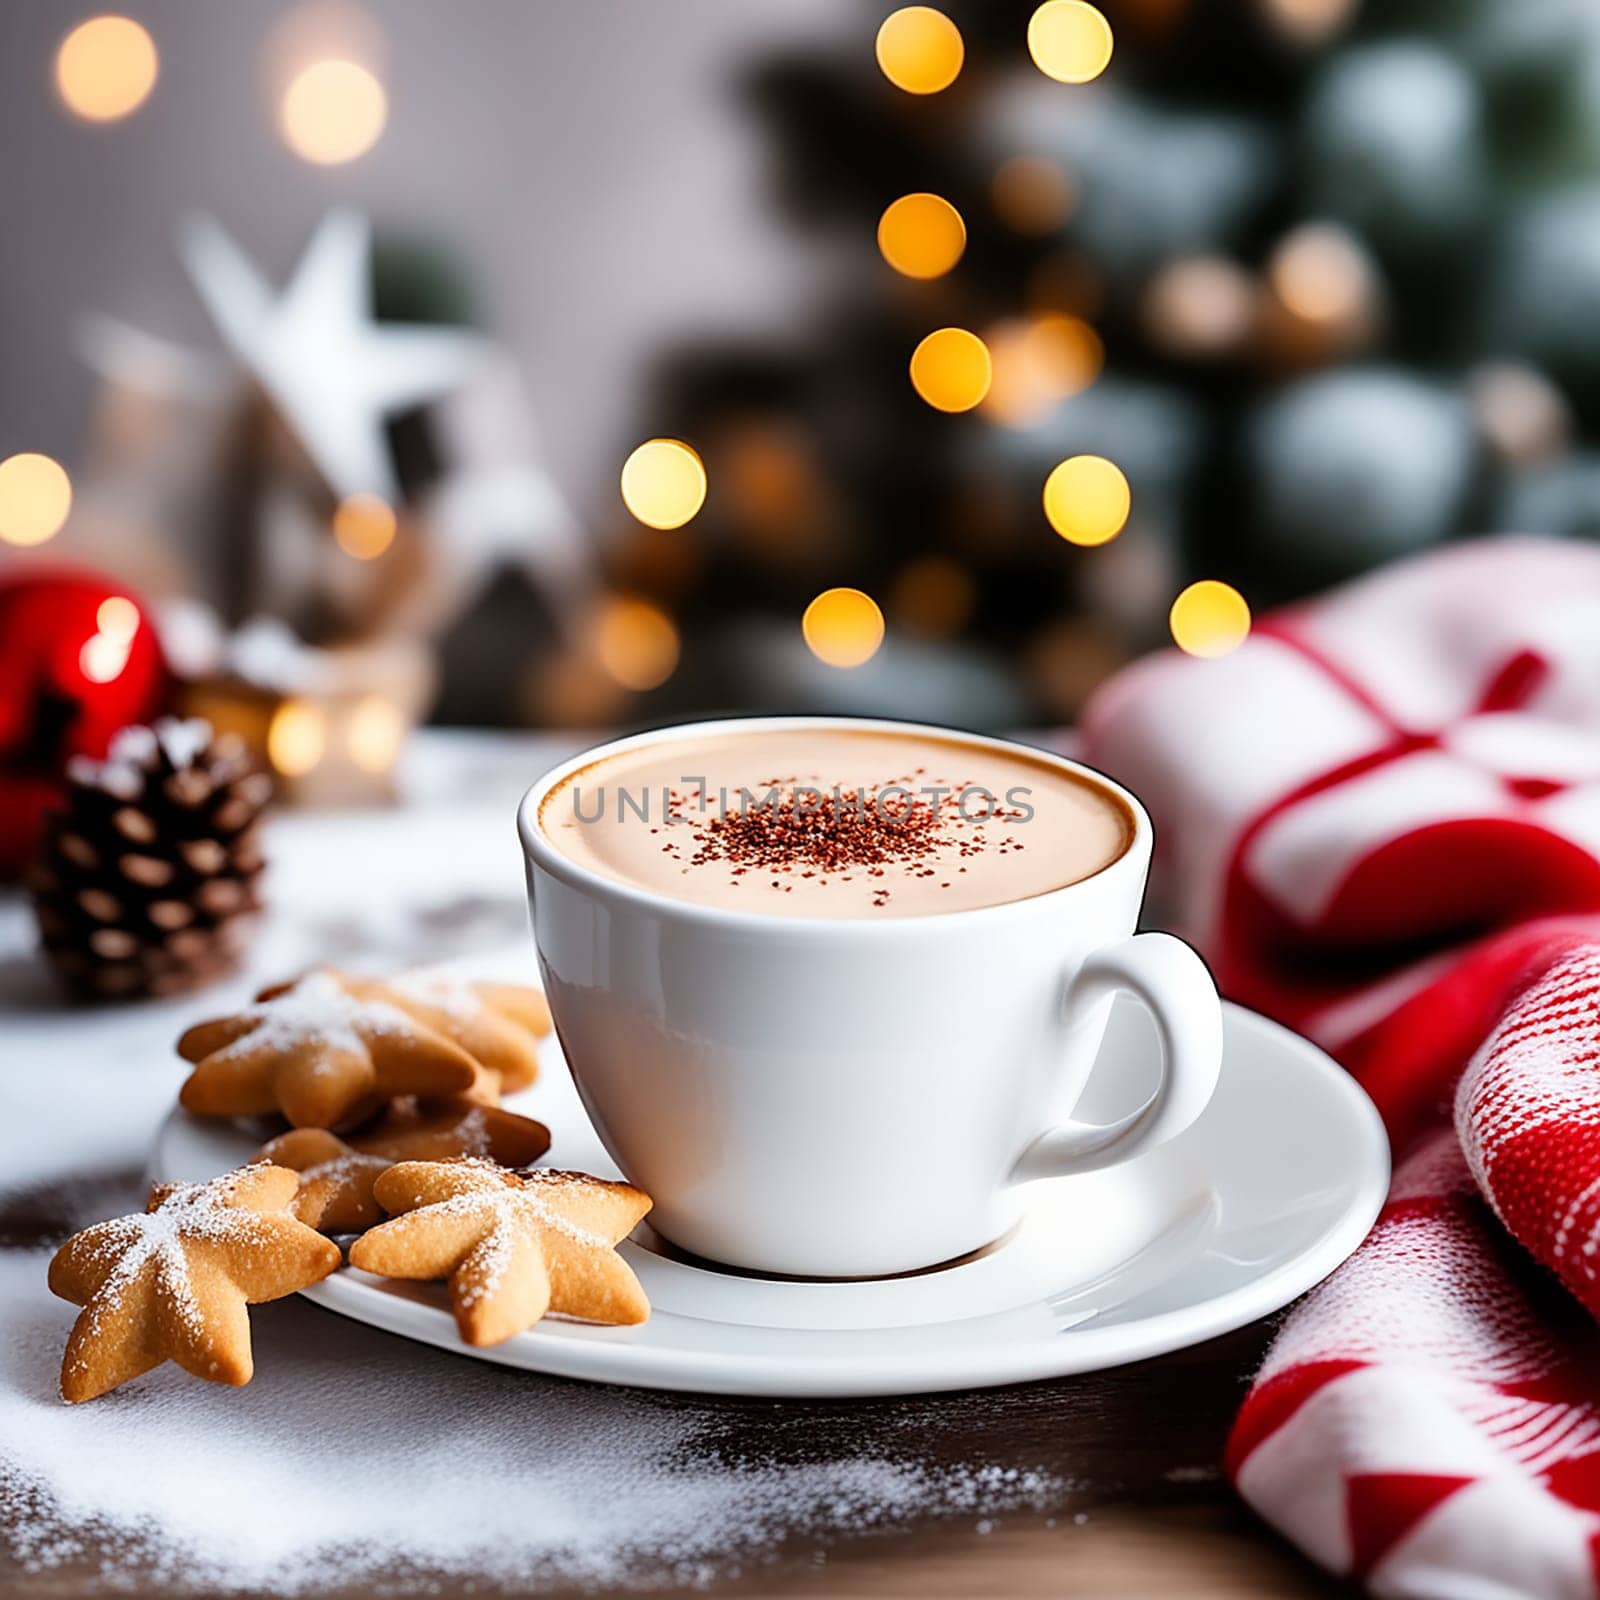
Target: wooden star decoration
x=513, y=1245
x=333, y=373
x=173, y=1283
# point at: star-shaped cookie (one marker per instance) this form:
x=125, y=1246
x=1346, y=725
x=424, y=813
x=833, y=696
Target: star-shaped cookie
x=497, y=1024
x=514, y=1245
x=173, y=1283
x=326, y=1051
x=336, y=1175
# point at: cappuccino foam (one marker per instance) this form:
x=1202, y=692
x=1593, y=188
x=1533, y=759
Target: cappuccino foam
x=831, y=822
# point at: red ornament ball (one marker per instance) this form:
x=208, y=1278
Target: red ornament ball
x=79, y=660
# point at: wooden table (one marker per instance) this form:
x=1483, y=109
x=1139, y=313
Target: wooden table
x=1146, y=1513
x=1149, y=1514
x=1143, y=1511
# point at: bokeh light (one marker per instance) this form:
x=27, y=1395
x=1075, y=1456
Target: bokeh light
x=1523, y=416
x=1200, y=307
x=104, y=655
x=1038, y=362
x=1066, y=352
x=364, y=526
x=105, y=652
x=636, y=642
x=332, y=112
x=297, y=738
x=1069, y=41
x=921, y=235
x=570, y=689
x=919, y=50
x=106, y=68
x=1086, y=499
x=1321, y=274
x=117, y=616
x=1209, y=618
x=1016, y=398
x=374, y=734
x=1067, y=660
x=951, y=369
x=1310, y=22
x=35, y=497
x=663, y=483
x=775, y=499
x=843, y=627
x=1032, y=195
x=932, y=596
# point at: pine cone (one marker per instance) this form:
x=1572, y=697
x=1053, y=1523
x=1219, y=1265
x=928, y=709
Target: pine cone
x=146, y=883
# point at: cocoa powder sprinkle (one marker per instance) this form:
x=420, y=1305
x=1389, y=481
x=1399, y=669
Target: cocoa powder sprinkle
x=787, y=828
x=795, y=833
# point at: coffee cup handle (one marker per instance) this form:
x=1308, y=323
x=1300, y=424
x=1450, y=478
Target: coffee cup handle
x=1173, y=985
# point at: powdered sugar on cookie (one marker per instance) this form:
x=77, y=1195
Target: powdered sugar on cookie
x=135, y=1279
x=326, y=1051
x=452, y=995
x=513, y=1245
x=128, y=1246
x=317, y=1010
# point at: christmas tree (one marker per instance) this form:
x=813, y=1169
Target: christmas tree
x=1291, y=287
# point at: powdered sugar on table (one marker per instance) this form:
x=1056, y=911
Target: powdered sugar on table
x=353, y=1455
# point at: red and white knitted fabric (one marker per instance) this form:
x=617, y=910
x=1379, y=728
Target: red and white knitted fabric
x=1380, y=820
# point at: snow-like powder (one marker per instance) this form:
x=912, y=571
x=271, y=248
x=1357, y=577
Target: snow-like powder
x=354, y=1454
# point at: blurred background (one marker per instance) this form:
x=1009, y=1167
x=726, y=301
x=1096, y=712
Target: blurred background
x=532, y=364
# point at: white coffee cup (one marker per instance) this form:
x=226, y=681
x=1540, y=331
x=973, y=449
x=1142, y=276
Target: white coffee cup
x=856, y=1097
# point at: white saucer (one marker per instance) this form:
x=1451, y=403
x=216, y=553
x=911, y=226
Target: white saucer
x=1265, y=1195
